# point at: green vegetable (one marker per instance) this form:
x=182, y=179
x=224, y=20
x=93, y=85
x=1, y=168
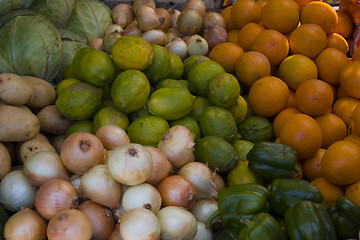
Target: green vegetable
x=6, y=6
x=240, y=202
x=272, y=160
x=263, y=226
x=309, y=220
x=285, y=193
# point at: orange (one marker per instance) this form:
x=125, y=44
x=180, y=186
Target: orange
x=329, y=191
x=268, y=96
x=245, y=11
x=281, y=117
x=308, y=39
x=340, y=92
x=333, y=128
x=302, y=133
x=247, y=35
x=354, y=138
x=297, y=68
x=312, y=166
x=233, y=36
x=356, y=54
x=261, y=2
x=302, y=3
x=320, y=13
x=226, y=54
x=329, y=63
x=314, y=97
x=352, y=130
x=349, y=79
x=225, y=13
x=356, y=118
x=344, y=107
x=291, y=103
x=273, y=44
x=344, y=25
x=352, y=192
x=337, y=41
x=341, y=163
x=252, y=66
x=280, y=15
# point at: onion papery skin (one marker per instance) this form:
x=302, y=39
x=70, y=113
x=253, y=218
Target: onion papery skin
x=147, y=18
x=101, y=218
x=203, y=233
x=25, y=224
x=179, y=47
x=155, y=36
x=133, y=29
x=189, y=22
x=161, y=166
x=212, y=19
x=137, y=3
x=112, y=136
x=69, y=224
x=165, y=18
x=115, y=235
x=215, y=35
x=122, y=14
x=204, y=208
x=54, y=196
x=197, y=5
x=45, y=166
x=99, y=186
x=96, y=43
x=197, y=45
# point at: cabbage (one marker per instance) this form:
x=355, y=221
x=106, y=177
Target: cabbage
x=56, y=11
x=30, y=45
x=7, y=5
x=89, y=19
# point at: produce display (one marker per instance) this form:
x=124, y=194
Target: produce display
x=139, y=122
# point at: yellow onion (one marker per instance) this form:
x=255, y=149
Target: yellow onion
x=122, y=14
x=215, y=35
x=171, y=34
x=133, y=29
x=155, y=36
x=165, y=18
x=109, y=39
x=219, y=182
x=69, y=224
x=25, y=224
x=115, y=235
x=96, y=43
x=57, y=141
x=113, y=28
x=204, y=208
x=137, y=3
x=197, y=45
x=174, y=13
x=112, y=136
x=213, y=19
x=189, y=22
x=197, y=5
x=161, y=166
x=203, y=233
x=178, y=47
x=147, y=18
x=76, y=182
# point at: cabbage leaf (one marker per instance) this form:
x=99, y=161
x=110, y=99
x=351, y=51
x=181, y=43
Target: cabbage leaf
x=8, y=5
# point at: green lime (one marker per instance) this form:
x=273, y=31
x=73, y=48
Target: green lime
x=168, y=82
x=255, y=129
x=110, y=116
x=170, y=103
x=191, y=124
x=176, y=66
x=217, y=121
x=241, y=174
x=131, y=52
x=191, y=61
x=217, y=153
x=138, y=113
x=224, y=90
x=199, y=105
x=242, y=147
x=147, y=130
x=80, y=126
x=239, y=110
x=64, y=84
x=130, y=90
x=200, y=76
x=68, y=72
x=160, y=67
x=79, y=101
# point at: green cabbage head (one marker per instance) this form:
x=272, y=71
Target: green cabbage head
x=8, y=5
x=30, y=45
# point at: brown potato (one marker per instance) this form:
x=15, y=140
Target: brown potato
x=14, y=90
x=52, y=121
x=29, y=148
x=45, y=93
x=5, y=161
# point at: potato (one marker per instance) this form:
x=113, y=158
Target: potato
x=5, y=161
x=18, y=124
x=15, y=90
x=52, y=121
x=45, y=93
x=30, y=147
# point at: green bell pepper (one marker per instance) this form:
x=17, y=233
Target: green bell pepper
x=239, y=202
x=307, y=220
x=263, y=226
x=285, y=193
x=227, y=233
x=271, y=160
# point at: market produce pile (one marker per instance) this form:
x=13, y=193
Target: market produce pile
x=140, y=122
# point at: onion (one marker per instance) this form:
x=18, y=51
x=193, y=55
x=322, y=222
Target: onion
x=5, y=161
x=197, y=45
x=109, y=39
x=98, y=185
x=16, y=191
x=113, y=28
x=96, y=43
x=122, y=14
x=171, y=34
x=130, y=164
x=143, y=195
x=197, y=5
x=177, y=223
x=115, y=235
x=201, y=176
x=57, y=141
x=147, y=18
x=155, y=36
x=112, y=136
x=178, y=146
x=174, y=13
x=81, y=151
x=204, y=208
x=165, y=18
x=69, y=224
x=178, y=47
x=215, y=36
x=203, y=233
x=161, y=166
x=219, y=182
x=189, y=22
x=176, y=190
x=54, y=196
x=213, y=19
x=133, y=29
x=43, y=167
x=25, y=224
x=138, y=3
x=76, y=182
x=139, y=224
x=101, y=218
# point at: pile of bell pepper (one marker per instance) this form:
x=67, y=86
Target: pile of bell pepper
x=283, y=207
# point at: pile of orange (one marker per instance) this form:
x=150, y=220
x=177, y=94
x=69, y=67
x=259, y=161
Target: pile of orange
x=293, y=58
